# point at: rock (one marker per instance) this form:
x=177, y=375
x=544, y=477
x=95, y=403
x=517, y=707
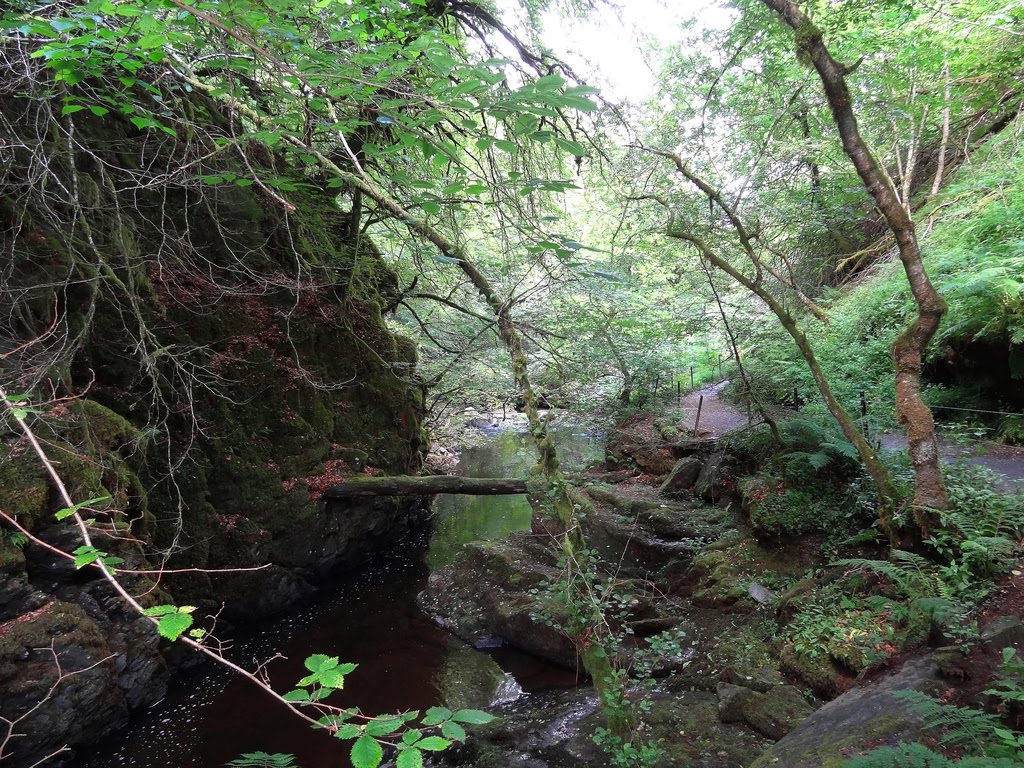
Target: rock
x=485, y=592
x=760, y=679
x=653, y=460
x=761, y=594
x=1003, y=632
x=951, y=661
x=470, y=680
x=773, y=713
x=777, y=712
x=865, y=717
x=682, y=476
x=821, y=675
x=635, y=441
x=690, y=446
x=732, y=702
x=28, y=670
x=556, y=731
x=716, y=482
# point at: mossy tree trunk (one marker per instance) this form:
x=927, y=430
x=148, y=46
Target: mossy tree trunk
x=930, y=495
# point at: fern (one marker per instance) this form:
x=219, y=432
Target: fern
x=919, y=756
x=960, y=726
x=912, y=575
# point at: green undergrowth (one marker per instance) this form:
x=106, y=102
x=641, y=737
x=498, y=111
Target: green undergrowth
x=975, y=255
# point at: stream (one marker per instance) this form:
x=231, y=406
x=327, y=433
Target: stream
x=405, y=660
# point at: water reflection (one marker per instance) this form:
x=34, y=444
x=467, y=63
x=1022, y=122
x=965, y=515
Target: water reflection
x=405, y=660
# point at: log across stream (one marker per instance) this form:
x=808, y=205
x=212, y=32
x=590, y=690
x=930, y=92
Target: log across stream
x=405, y=660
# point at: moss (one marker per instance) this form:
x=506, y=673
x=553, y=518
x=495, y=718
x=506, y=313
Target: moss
x=24, y=492
x=820, y=674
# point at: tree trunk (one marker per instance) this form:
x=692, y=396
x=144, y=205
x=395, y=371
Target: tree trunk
x=429, y=485
x=908, y=352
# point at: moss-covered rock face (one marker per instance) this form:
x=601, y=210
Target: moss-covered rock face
x=225, y=361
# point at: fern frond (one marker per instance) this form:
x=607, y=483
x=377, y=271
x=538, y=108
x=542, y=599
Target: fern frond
x=919, y=756
x=961, y=726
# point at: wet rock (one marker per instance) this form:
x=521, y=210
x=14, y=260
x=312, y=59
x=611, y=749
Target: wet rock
x=30, y=648
x=864, y=717
x=556, y=731
x=470, y=680
x=682, y=477
x=486, y=591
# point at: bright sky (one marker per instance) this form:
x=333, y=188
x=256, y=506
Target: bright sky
x=617, y=49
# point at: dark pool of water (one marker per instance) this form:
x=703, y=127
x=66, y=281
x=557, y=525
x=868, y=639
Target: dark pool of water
x=405, y=660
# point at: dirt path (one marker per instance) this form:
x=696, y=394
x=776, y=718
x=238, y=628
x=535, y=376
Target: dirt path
x=1007, y=460
x=718, y=417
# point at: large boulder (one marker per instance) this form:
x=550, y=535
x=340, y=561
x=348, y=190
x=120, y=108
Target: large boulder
x=716, y=483
x=860, y=719
x=636, y=442
x=683, y=475
x=495, y=589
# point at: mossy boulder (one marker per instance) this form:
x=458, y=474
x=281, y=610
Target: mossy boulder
x=31, y=646
x=865, y=717
x=496, y=588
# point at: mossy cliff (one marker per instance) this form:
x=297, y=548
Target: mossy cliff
x=211, y=356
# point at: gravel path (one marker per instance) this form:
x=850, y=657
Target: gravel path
x=717, y=417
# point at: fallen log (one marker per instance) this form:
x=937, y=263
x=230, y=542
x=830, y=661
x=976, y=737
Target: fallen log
x=429, y=485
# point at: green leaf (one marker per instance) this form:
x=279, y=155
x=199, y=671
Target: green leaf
x=173, y=625
x=86, y=555
x=412, y=736
x=296, y=695
x=160, y=610
x=452, y=730
x=549, y=83
x=472, y=716
x=409, y=758
x=318, y=662
x=68, y=511
x=384, y=727
x=437, y=715
x=366, y=752
x=348, y=731
x=433, y=744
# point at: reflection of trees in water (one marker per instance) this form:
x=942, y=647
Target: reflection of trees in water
x=461, y=519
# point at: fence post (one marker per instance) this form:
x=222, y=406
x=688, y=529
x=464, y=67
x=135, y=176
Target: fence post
x=696, y=421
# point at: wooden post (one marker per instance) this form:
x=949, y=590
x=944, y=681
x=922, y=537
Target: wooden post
x=691, y=377
x=796, y=399
x=696, y=421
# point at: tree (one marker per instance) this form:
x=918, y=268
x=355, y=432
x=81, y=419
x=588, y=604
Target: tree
x=930, y=496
